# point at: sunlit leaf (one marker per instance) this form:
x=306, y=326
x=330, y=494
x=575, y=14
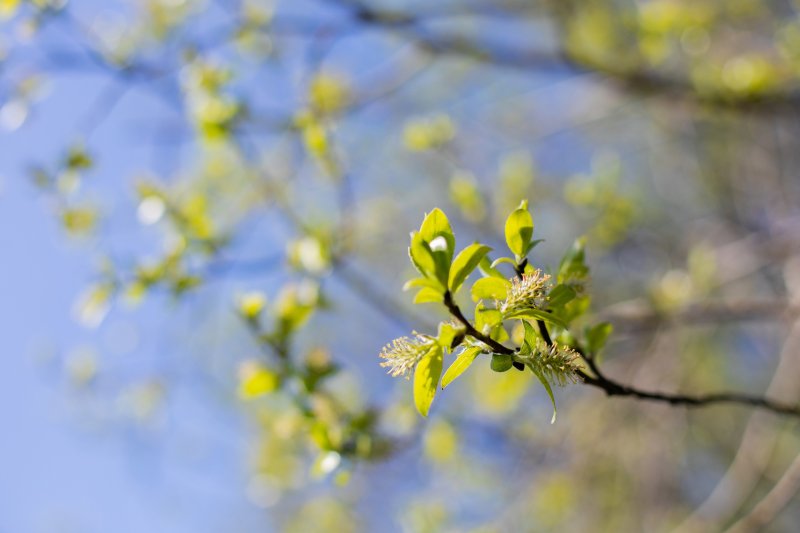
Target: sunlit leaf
x=426, y=379
x=539, y=314
x=490, y=289
x=519, y=230
x=464, y=263
x=488, y=270
x=460, y=365
x=421, y=256
x=428, y=295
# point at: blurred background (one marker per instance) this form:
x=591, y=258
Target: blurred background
x=204, y=217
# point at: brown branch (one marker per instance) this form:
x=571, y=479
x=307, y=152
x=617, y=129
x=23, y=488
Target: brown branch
x=614, y=388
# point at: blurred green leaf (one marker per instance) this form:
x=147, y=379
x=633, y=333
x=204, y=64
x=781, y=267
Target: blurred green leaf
x=596, y=336
x=561, y=295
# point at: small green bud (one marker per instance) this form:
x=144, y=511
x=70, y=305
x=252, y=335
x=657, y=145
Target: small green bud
x=501, y=362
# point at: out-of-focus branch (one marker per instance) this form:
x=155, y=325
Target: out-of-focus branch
x=636, y=317
x=640, y=80
x=773, y=503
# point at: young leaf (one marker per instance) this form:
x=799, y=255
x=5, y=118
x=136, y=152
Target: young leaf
x=464, y=263
x=438, y=235
x=421, y=256
x=538, y=314
x=597, y=336
x=447, y=332
x=488, y=270
x=548, y=389
x=418, y=283
x=428, y=295
x=426, y=379
x=561, y=295
x=499, y=333
x=486, y=317
x=460, y=365
x=573, y=265
x=501, y=260
x=531, y=338
x=532, y=245
x=519, y=230
x=490, y=288
x=501, y=362
x=436, y=225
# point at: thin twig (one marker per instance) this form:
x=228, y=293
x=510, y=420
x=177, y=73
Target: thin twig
x=614, y=388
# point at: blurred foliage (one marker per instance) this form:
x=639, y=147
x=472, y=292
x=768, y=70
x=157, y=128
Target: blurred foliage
x=297, y=142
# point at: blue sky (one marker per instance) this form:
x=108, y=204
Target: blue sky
x=62, y=467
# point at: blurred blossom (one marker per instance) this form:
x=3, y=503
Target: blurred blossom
x=252, y=303
x=150, y=210
x=328, y=462
x=309, y=254
x=428, y=133
x=13, y=114
x=256, y=380
x=81, y=366
x=92, y=305
x=141, y=401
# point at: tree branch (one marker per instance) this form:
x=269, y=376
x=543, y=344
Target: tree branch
x=614, y=388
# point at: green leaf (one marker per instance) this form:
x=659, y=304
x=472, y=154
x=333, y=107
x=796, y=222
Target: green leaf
x=488, y=270
x=561, y=295
x=436, y=224
x=460, y=365
x=486, y=319
x=427, y=295
x=532, y=245
x=418, y=283
x=538, y=314
x=501, y=362
x=573, y=264
x=499, y=333
x=436, y=232
x=597, y=336
x=447, y=332
x=426, y=379
x=490, y=288
x=531, y=338
x=519, y=230
x=548, y=389
x=501, y=260
x=421, y=256
x=465, y=262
